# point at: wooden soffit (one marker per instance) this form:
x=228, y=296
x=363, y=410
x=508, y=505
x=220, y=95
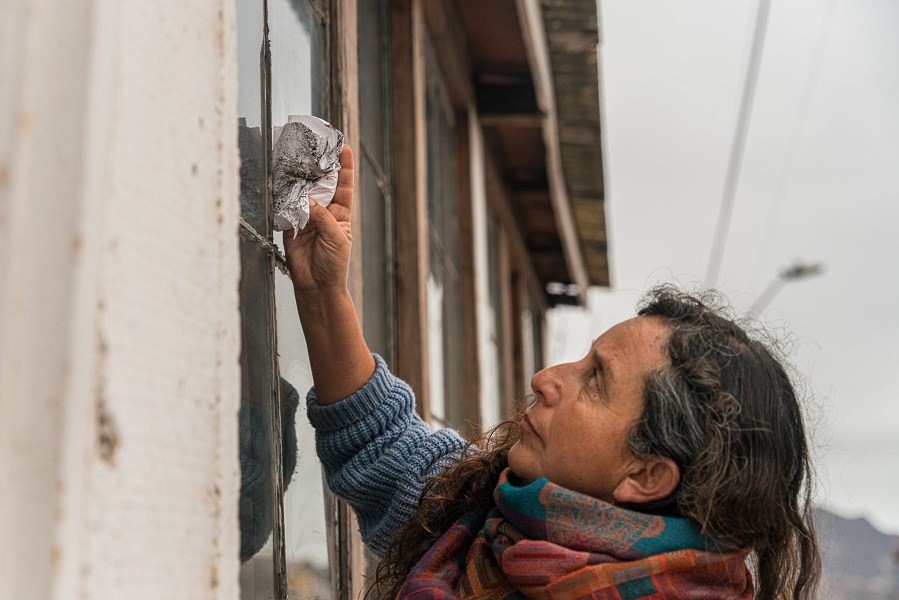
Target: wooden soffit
x=552, y=188
x=573, y=35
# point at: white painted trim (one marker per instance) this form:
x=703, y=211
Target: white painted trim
x=119, y=322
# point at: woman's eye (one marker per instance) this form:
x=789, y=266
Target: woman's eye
x=594, y=379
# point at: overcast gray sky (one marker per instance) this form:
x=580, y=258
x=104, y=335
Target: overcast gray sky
x=819, y=182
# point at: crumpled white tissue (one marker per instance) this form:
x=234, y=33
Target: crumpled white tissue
x=305, y=163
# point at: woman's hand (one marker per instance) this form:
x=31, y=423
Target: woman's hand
x=319, y=261
x=319, y=257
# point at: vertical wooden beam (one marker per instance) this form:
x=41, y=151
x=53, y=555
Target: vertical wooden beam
x=410, y=196
x=471, y=407
x=345, y=115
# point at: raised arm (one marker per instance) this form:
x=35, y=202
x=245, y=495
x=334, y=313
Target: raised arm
x=318, y=260
x=375, y=449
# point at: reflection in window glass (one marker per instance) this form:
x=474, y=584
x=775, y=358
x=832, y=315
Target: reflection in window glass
x=298, y=67
x=298, y=83
x=258, y=506
x=306, y=536
x=259, y=502
x=249, y=111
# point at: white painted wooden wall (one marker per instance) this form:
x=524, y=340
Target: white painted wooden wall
x=119, y=322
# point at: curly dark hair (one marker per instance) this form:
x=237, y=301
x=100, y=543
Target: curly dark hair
x=727, y=412
x=724, y=409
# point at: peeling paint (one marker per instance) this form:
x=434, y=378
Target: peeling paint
x=220, y=35
x=107, y=433
x=106, y=428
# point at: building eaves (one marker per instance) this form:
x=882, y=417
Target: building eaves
x=572, y=36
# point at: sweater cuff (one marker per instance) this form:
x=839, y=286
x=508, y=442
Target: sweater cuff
x=355, y=407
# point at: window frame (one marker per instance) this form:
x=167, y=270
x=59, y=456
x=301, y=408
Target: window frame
x=411, y=22
x=343, y=542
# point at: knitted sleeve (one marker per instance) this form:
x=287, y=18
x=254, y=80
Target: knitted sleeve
x=376, y=452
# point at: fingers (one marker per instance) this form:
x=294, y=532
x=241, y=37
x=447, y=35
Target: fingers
x=344, y=194
x=325, y=223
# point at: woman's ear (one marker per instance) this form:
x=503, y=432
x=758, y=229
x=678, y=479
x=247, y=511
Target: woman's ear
x=653, y=479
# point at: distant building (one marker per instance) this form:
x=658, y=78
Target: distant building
x=142, y=292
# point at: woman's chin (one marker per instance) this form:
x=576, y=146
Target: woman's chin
x=521, y=464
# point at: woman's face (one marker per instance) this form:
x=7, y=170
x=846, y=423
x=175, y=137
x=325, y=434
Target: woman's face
x=575, y=434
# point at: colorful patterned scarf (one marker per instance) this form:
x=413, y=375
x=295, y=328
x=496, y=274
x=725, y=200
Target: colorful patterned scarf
x=544, y=541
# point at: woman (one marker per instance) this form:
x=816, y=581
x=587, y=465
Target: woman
x=654, y=467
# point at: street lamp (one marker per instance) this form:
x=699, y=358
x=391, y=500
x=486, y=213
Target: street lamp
x=799, y=270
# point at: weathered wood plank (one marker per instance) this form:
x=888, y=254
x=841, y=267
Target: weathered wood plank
x=410, y=200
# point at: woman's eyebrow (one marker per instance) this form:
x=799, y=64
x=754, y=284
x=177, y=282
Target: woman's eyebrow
x=602, y=364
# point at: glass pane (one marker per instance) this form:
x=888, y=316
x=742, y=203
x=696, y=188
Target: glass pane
x=435, y=157
x=250, y=113
x=305, y=526
x=436, y=389
x=444, y=310
x=297, y=40
x=377, y=270
x=257, y=499
x=374, y=79
x=452, y=355
x=491, y=411
x=441, y=136
x=373, y=171
x=530, y=341
x=450, y=204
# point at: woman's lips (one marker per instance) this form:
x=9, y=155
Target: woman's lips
x=528, y=426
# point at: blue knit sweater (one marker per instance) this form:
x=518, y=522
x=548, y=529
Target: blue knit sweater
x=377, y=452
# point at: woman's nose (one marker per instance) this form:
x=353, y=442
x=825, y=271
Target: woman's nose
x=546, y=385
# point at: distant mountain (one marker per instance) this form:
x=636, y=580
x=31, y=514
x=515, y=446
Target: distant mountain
x=860, y=562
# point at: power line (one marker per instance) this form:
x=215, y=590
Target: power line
x=799, y=127
x=738, y=145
